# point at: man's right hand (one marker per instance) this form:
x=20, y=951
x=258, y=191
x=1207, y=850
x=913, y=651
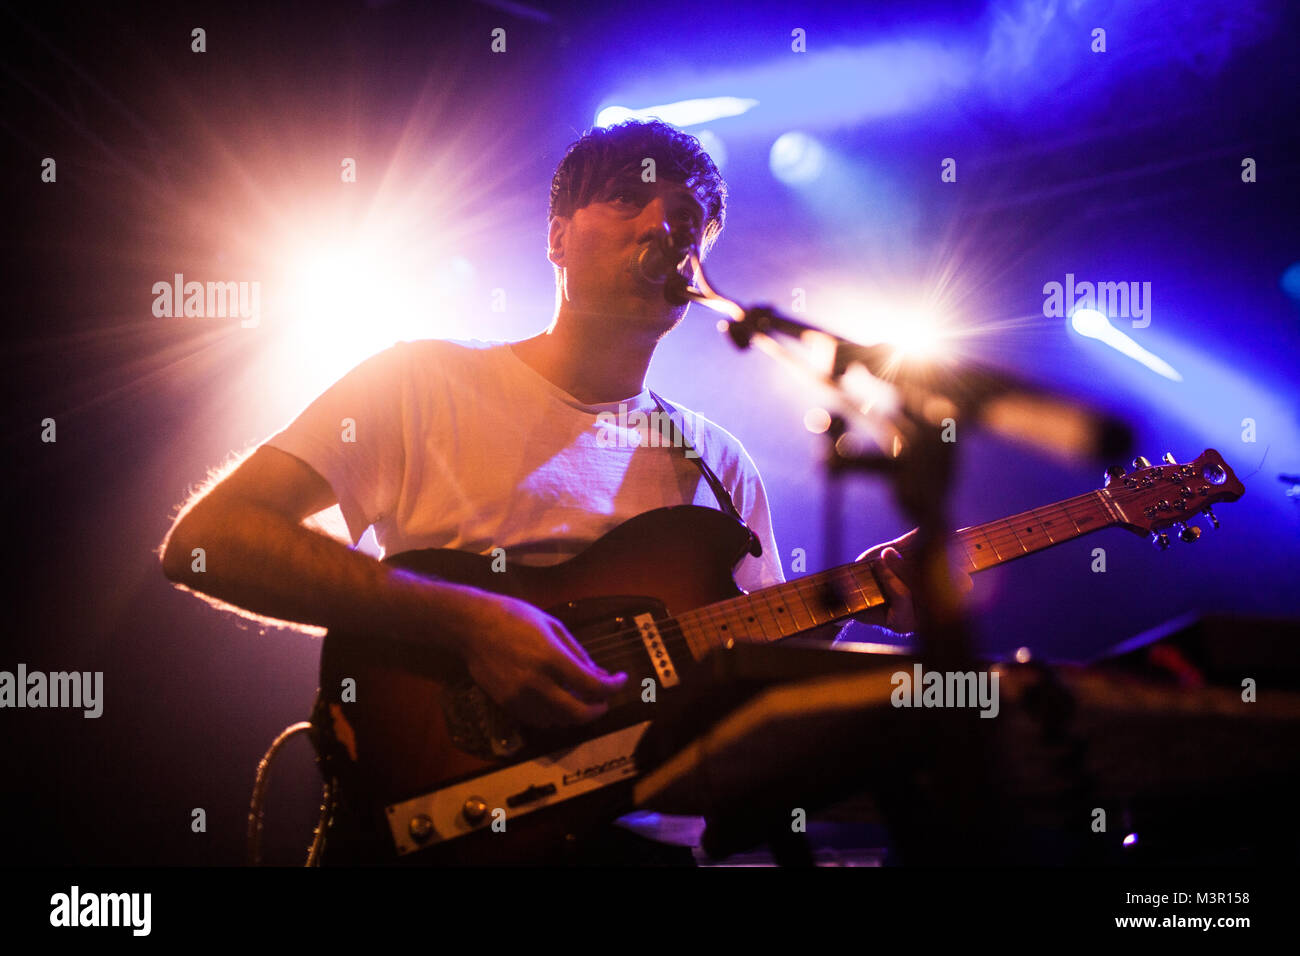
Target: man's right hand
x=524, y=659
x=529, y=663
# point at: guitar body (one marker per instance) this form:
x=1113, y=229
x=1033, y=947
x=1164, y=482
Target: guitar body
x=396, y=730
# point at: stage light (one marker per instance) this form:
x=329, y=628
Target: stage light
x=681, y=113
x=920, y=329
x=1290, y=281
x=348, y=300
x=915, y=333
x=797, y=158
x=838, y=87
x=1094, y=325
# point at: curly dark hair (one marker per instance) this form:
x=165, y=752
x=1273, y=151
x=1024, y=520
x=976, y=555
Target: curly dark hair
x=602, y=153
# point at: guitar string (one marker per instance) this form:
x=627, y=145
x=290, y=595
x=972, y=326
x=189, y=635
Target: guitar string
x=802, y=587
x=711, y=615
x=615, y=645
x=996, y=533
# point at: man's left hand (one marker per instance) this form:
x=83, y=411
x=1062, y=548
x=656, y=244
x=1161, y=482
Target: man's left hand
x=893, y=574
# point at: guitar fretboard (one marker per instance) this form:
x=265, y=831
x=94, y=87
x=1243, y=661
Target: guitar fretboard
x=787, y=609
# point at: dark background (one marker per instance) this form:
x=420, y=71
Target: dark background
x=1115, y=166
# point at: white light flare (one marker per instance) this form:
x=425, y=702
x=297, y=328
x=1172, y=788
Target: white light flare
x=348, y=300
x=682, y=113
x=1094, y=325
x=916, y=332
x=346, y=303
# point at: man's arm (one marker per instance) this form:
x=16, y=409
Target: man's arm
x=258, y=556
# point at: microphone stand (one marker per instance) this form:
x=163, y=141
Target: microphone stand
x=951, y=812
x=920, y=475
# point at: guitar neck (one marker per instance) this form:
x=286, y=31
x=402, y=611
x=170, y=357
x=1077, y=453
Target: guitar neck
x=787, y=609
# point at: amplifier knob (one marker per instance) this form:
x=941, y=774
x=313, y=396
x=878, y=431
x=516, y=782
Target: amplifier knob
x=421, y=828
x=475, y=809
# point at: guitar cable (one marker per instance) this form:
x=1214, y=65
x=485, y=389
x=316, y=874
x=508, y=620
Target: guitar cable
x=260, y=784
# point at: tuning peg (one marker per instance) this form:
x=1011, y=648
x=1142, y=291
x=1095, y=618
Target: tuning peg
x=1209, y=513
x=1140, y=462
x=1190, y=533
x=1113, y=473
x=1169, y=458
x=1160, y=539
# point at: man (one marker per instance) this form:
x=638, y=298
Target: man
x=481, y=446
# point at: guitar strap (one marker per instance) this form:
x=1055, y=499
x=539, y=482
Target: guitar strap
x=719, y=490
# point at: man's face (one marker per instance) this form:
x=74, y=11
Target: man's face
x=597, y=249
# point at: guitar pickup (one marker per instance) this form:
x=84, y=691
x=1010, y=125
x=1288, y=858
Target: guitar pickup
x=654, y=647
x=531, y=795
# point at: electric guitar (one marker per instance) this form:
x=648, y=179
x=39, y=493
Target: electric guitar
x=439, y=761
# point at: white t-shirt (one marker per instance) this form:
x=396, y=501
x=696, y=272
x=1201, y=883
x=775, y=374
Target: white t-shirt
x=462, y=445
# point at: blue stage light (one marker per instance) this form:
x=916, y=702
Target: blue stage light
x=797, y=158
x=682, y=113
x=1290, y=281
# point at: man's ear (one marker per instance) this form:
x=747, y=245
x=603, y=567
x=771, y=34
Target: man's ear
x=555, y=240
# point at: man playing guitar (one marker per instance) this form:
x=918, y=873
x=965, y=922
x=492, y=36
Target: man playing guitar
x=521, y=450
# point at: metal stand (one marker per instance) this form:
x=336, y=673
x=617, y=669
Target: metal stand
x=962, y=818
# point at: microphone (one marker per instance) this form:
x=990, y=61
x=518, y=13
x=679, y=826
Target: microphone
x=657, y=261
x=652, y=264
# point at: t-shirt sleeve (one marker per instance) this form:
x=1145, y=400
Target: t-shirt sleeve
x=751, y=501
x=352, y=434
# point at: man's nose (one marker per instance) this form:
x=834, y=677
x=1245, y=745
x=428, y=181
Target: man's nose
x=655, y=219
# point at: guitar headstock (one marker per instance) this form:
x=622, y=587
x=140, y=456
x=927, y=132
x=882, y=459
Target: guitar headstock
x=1156, y=498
